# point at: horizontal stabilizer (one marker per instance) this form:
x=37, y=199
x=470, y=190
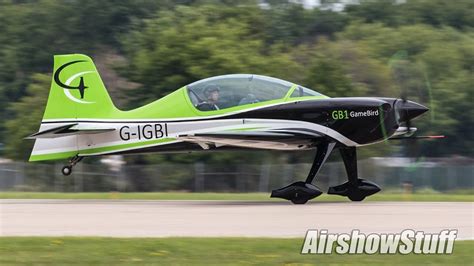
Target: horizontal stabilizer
x=68, y=130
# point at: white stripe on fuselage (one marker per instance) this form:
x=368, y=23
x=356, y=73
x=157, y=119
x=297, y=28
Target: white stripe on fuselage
x=127, y=133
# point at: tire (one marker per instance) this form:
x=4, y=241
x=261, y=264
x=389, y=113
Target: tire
x=67, y=170
x=299, y=201
x=353, y=197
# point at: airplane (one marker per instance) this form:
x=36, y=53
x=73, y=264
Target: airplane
x=236, y=111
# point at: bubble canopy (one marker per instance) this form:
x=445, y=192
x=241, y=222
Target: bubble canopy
x=227, y=91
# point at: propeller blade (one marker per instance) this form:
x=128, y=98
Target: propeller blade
x=408, y=123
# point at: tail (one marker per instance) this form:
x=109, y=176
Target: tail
x=77, y=92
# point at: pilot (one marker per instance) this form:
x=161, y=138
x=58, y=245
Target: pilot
x=211, y=92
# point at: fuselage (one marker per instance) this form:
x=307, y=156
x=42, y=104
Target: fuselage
x=223, y=112
x=347, y=121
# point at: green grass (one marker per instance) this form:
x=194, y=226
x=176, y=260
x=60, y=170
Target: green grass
x=226, y=196
x=196, y=251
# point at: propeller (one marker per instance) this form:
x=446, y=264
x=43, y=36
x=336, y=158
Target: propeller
x=408, y=119
x=409, y=76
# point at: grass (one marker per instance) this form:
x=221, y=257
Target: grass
x=196, y=251
x=226, y=196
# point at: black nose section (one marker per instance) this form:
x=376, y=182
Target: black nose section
x=409, y=110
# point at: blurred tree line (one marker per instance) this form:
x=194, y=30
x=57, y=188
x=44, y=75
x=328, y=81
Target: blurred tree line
x=144, y=49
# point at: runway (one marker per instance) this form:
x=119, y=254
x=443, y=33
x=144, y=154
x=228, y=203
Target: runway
x=135, y=218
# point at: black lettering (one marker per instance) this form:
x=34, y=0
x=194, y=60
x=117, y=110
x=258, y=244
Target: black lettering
x=124, y=135
x=147, y=133
x=158, y=131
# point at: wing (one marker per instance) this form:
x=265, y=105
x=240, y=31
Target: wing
x=277, y=139
x=69, y=129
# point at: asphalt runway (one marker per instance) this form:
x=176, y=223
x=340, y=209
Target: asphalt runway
x=139, y=218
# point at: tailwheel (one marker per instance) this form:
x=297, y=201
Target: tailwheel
x=67, y=170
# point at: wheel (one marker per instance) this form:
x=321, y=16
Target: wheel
x=356, y=197
x=299, y=200
x=67, y=170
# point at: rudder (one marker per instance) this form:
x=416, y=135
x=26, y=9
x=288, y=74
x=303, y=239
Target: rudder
x=77, y=91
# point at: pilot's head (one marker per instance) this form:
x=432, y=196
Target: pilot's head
x=212, y=92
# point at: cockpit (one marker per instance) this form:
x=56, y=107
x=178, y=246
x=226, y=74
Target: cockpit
x=228, y=91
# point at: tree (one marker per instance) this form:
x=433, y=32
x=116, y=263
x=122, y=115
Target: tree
x=28, y=112
x=436, y=70
x=438, y=13
x=187, y=44
x=33, y=31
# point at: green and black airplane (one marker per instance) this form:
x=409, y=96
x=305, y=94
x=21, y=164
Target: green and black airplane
x=238, y=111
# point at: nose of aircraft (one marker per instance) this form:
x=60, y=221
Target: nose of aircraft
x=409, y=110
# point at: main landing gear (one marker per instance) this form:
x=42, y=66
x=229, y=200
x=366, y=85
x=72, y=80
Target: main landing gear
x=300, y=192
x=355, y=189
x=67, y=170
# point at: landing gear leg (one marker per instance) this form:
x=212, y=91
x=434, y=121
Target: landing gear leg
x=67, y=170
x=300, y=192
x=355, y=189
